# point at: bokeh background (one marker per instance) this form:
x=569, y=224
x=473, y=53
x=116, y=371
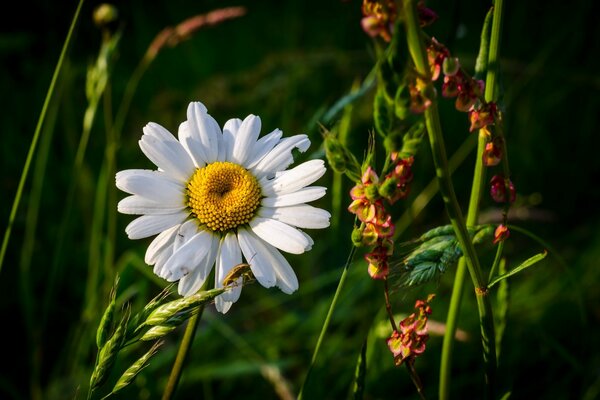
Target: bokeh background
x=289, y=62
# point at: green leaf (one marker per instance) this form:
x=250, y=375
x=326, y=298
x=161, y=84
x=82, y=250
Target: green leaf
x=525, y=264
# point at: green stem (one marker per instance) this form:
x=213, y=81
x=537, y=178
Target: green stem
x=459, y=278
x=492, y=65
x=473, y=213
x=453, y=210
x=36, y=135
x=184, y=347
x=328, y=318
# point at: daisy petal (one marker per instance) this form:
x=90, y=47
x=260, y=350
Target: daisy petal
x=205, y=128
x=153, y=185
x=253, y=250
x=229, y=256
x=158, y=131
x=229, y=132
x=296, y=178
x=186, y=231
x=286, y=277
x=301, y=216
x=280, y=235
x=281, y=156
x=303, y=195
x=162, y=258
x=263, y=146
x=159, y=244
x=245, y=139
x=192, y=144
x=223, y=306
x=309, y=239
x=149, y=225
x=189, y=257
x=169, y=156
x=140, y=205
x=193, y=281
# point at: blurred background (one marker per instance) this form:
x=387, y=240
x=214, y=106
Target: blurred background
x=289, y=62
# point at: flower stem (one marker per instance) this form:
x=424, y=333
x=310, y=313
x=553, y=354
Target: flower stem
x=473, y=213
x=184, y=347
x=328, y=318
x=459, y=278
x=436, y=140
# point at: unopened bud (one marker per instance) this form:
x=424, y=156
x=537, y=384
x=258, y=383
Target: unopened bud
x=450, y=66
x=105, y=14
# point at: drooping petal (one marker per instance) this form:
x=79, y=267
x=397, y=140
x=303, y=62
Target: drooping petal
x=303, y=195
x=149, y=225
x=169, y=156
x=286, y=277
x=161, y=242
x=154, y=185
x=301, y=216
x=245, y=139
x=205, y=129
x=280, y=235
x=139, y=205
x=263, y=146
x=253, y=250
x=296, y=178
x=161, y=259
x=193, y=281
x=230, y=255
x=189, y=257
x=280, y=157
x=192, y=144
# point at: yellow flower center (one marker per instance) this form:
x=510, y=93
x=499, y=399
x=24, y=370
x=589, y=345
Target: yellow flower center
x=223, y=195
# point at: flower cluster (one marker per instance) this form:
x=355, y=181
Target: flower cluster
x=376, y=223
x=409, y=342
x=467, y=90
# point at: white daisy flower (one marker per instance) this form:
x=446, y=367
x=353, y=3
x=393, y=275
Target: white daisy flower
x=220, y=196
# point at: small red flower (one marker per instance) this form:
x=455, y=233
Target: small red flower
x=498, y=189
x=501, y=234
x=492, y=155
x=436, y=54
x=483, y=116
x=378, y=259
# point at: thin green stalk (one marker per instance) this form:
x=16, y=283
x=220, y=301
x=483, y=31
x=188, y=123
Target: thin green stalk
x=36, y=135
x=328, y=318
x=184, y=347
x=436, y=140
x=492, y=65
x=459, y=278
x=475, y=199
